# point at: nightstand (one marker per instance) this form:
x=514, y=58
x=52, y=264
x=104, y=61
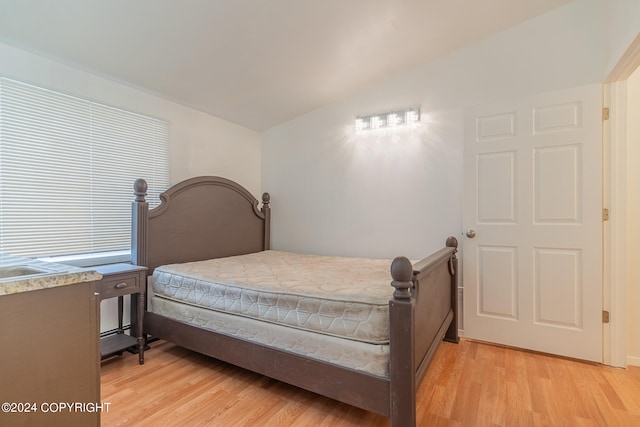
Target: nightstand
x=119, y=280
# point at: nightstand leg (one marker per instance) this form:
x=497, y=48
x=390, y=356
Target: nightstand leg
x=120, y=309
x=141, y=299
x=137, y=314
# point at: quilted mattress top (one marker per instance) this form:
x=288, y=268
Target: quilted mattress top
x=344, y=297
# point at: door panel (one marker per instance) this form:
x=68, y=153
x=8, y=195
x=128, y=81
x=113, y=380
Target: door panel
x=533, y=195
x=498, y=285
x=558, y=185
x=496, y=189
x=558, y=288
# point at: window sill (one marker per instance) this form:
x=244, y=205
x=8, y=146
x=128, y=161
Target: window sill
x=90, y=260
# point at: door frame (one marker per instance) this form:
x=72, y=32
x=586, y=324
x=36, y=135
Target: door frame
x=615, y=268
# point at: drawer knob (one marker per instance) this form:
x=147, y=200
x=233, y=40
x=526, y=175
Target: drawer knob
x=121, y=285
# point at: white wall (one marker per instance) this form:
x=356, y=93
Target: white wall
x=199, y=144
x=633, y=213
x=384, y=195
x=622, y=25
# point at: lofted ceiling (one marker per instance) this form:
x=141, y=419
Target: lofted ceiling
x=256, y=63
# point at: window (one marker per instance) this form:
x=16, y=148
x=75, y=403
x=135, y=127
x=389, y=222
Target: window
x=67, y=167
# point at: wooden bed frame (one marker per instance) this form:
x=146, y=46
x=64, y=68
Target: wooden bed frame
x=212, y=217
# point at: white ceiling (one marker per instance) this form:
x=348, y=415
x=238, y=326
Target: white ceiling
x=256, y=63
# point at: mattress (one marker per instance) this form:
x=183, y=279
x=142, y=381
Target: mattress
x=333, y=296
x=360, y=356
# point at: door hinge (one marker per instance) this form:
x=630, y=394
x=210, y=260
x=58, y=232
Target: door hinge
x=605, y=316
x=605, y=214
x=605, y=113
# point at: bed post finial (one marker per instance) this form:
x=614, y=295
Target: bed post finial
x=140, y=189
x=402, y=273
x=452, y=242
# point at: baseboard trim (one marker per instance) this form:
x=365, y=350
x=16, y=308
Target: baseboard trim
x=633, y=360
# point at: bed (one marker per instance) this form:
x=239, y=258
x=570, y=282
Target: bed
x=366, y=328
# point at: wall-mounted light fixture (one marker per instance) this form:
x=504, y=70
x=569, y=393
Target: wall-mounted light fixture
x=388, y=120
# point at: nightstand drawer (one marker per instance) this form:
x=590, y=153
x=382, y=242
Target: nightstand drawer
x=123, y=284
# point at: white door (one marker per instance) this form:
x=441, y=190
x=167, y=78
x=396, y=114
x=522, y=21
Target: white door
x=533, y=196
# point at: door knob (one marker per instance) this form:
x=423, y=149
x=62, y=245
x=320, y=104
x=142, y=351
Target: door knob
x=471, y=233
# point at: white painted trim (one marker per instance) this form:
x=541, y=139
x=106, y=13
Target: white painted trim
x=615, y=275
x=615, y=187
x=627, y=64
x=606, y=228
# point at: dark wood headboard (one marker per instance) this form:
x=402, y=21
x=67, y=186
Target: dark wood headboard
x=200, y=218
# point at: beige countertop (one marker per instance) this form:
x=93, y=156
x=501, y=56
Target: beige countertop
x=46, y=274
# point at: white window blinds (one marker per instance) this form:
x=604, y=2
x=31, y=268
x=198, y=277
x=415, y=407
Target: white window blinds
x=67, y=167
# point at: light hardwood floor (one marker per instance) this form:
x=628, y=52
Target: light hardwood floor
x=469, y=384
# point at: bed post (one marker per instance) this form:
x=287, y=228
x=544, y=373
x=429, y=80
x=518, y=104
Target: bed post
x=452, y=332
x=402, y=369
x=139, y=223
x=266, y=210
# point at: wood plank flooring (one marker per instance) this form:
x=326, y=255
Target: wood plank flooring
x=469, y=384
